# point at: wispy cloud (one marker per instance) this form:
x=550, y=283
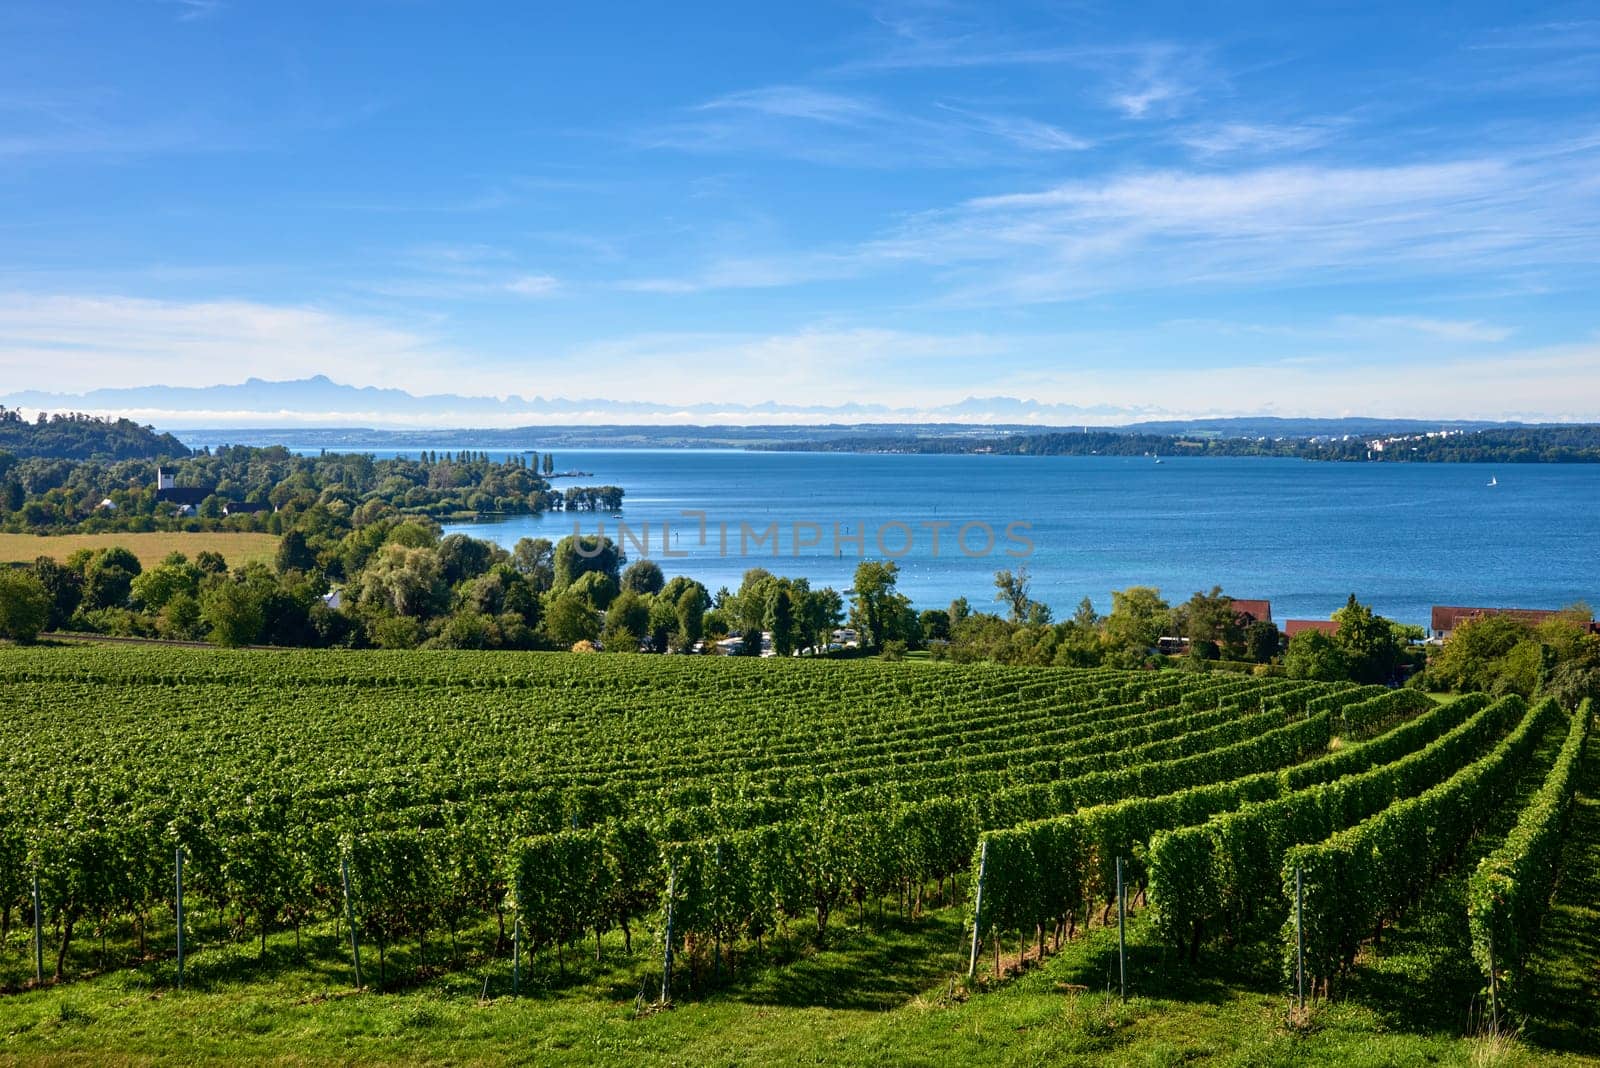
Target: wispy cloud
x=798, y=102
x=470, y=271
x=751, y=272
x=1228, y=138
x=1155, y=80
x=1274, y=225
x=1557, y=383
x=1559, y=35
x=116, y=340
x=1283, y=226
x=533, y=285
x=931, y=39
x=856, y=129
x=1469, y=331
x=1022, y=131
x=75, y=133
x=193, y=10
x=1141, y=79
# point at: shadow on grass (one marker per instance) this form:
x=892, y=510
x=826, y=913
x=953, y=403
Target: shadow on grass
x=860, y=970
x=1156, y=970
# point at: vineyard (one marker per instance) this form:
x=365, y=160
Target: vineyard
x=507, y=818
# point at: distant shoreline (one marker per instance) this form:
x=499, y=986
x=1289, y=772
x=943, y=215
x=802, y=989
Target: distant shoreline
x=1575, y=443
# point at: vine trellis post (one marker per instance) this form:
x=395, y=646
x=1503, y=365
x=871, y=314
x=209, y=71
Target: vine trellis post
x=666, y=962
x=1494, y=998
x=177, y=878
x=977, y=909
x=1299, y=936
x=350, y=918
x=516, y=951
x=38, y=934
x=1122, y=933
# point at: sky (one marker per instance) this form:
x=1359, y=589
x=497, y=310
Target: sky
x=1156, y=209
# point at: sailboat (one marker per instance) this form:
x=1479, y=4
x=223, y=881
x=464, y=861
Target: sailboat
x=1493, y=481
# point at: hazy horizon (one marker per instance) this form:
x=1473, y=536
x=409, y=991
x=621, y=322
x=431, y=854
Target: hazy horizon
x=320, y=403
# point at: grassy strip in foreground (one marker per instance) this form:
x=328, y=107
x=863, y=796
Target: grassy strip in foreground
x=149, y=546
x=885, y=998
x=855, y=1003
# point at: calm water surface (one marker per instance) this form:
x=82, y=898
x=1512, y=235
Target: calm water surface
x=1305, y=535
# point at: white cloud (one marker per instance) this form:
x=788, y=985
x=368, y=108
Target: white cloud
x=1274, y=226
x=1503, y=218
x=1269, y=198
x=1346, y=365
x=1226, y=138
x=821, y=365
x=798, y=102
x=469, y=271
x=48, y=341
x=1022, y=131
x=839, y=129
x=1556, y=383
x=752, y=272
x=1471, y=331
x=1136, y=103
x=192, y=10
x=533, y=285
x=1158, y=81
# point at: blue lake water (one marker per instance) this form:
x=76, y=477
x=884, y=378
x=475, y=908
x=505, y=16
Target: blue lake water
x=1304, y=535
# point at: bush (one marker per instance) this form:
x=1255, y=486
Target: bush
x=24, y=605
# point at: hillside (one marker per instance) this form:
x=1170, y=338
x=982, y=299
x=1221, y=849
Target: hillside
x=478, y=857
x=83, y=437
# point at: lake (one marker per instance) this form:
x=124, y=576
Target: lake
x=1304, y=535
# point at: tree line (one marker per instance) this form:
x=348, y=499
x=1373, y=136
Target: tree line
x=53, y=495
x=1563, y=444
x=75, y=436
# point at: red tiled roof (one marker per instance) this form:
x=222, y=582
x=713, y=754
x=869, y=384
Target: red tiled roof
x=1261, y=611
x=1448, y=617
x=1291, y=627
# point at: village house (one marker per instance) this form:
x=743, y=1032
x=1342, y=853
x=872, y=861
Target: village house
x=186, y=498
x=1251, y=611
x=1446, y=618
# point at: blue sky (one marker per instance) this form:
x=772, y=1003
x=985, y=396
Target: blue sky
x=1174, y=210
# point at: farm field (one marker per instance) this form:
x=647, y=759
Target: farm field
x=511, y=837
x=150, y=547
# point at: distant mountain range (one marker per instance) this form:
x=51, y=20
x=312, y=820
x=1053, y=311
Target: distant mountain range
x=320, y=401
x=258, y=411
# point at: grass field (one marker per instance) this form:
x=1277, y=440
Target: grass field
x=149, y=547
